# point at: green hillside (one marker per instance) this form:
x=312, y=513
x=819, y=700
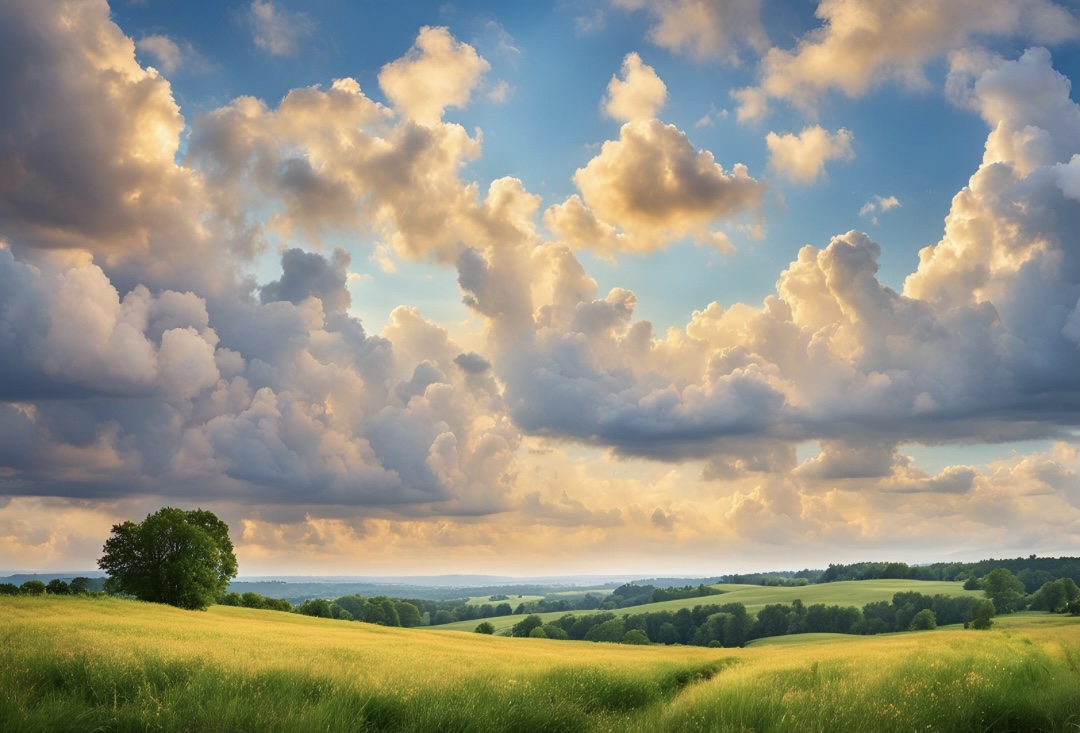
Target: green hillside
x=848, y=593
x=79, y=664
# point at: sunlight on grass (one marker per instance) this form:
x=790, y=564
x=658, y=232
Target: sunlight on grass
x=82, y=664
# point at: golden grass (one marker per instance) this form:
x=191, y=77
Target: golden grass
x=81, y=663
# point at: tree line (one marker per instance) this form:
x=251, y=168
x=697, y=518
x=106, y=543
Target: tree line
x=1032, y=571
x=78, y=586
x=729, y=625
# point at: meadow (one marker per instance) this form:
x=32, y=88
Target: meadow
x=755, y=597
x=77, y=664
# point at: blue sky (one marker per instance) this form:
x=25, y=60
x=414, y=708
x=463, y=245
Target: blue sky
x=639, y=280
x=909, y=143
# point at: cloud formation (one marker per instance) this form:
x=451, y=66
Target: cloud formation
x=141, y=359
x=277, y=31
x=173, y=56
x=639, y=95
x=437, y=72
x=702, y=29
x=801, y=158
x=863, y=43
x=649, y=188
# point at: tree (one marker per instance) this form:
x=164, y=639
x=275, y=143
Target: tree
x=182, y=558
x=526, y=625
x=317, y=607
x=1055, y=596
x=552, y=631
x=57, y=587
x=442, y=616
x=408, y=614
x=1002, y=587
x=252, y=600
x=230, y=599
x=982, y=614
x=924, y=620
x=33, y=588
x=79, y=585
x=485, y=627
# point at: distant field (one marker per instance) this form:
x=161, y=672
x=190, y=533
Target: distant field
x=75, y=664
x=514, y=599
x=755, y=597
x=795, y=639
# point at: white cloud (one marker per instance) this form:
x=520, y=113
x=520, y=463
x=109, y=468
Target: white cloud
x=501, y=92
x=437, y=72
x=863, y=43
x=878, y=204
x=801, y=158
x=172, y=56
x=278, y=31
x=653, y=186
x=703, y=29
x=639, y=95
x=139, y=361
x=586, y=25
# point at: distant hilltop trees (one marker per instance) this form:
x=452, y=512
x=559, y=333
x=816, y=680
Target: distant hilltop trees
x=1033, y=572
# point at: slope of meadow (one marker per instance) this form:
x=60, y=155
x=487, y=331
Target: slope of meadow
x=755, y=597
x=105, y=664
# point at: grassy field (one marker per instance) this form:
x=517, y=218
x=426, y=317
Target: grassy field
x=755, y=597
x=515, y=599
x=70, y=664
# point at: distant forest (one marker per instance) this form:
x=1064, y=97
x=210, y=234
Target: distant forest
x=1032, y=571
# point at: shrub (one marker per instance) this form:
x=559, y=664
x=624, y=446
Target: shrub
x=924, y=620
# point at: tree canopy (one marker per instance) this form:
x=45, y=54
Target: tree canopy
x=182, y=558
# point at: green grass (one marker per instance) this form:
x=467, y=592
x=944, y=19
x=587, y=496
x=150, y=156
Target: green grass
x=75, y=664
x=798, y=639
x=515, y=599
x=1021, y=676
x=512, y=600
x=755, y=597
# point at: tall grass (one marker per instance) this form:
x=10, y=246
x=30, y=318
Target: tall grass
x=83, y=664
x=1021, y=677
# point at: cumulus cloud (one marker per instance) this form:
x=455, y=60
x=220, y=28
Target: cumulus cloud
x=652, y=186
x=306, y=274
x=639, y=95
x=172, y=56
x=139, y=360
x=278, y=31
x=702, y=29
x=862, y=43
x=980, y=331
x=334, y=160
x=437, y=72
x=242, y=390
x=801, y=158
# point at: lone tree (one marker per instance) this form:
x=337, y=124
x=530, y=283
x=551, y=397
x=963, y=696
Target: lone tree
x=181, y=558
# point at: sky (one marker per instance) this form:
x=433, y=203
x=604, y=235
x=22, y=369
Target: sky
x=573, y=286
